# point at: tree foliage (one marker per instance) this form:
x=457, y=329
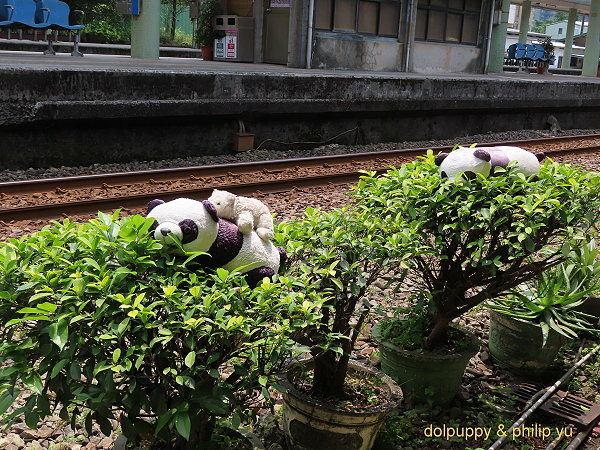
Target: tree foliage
x=102, y=21
x=477, y=239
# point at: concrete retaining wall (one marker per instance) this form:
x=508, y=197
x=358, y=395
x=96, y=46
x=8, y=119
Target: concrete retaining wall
x=69, y=117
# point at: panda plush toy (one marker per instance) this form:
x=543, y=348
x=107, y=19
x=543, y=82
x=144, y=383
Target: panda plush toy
x=200, y=229
x=471, y=161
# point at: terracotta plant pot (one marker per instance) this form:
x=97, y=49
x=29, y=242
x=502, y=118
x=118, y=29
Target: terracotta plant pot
x=311, y=424
x=516, y=345
x=426, y=377
x=207, y=53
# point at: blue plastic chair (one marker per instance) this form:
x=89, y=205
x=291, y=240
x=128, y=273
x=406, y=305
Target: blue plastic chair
x=520, y=51
x=26, y=13
x=539, y=53
x=7, y=9
x=530, y=51
x=58, y=14
x=510, y=52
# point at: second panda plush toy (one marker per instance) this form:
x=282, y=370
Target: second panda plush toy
x=200, y=229
x=482, y=160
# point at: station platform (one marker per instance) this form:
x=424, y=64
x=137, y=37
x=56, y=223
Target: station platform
x=116, y=108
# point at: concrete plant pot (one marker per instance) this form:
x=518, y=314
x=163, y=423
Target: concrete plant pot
x=425, y=376
x=311, y=424
x=517, y=345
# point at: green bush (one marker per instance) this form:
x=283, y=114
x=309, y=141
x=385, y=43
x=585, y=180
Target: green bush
x=340, y=253
x=206, y=33
x=100, y=323
x=180, y=40
x=477, y=239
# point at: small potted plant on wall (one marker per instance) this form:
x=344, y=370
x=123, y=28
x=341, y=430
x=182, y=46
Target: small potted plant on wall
x=475, y=239
x=206, y=33
x=333, y=401
x=548, y=56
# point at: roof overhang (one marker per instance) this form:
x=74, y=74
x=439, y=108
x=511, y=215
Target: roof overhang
x=583, y=6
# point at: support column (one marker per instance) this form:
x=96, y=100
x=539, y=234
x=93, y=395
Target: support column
x=592, y=42
x=498, y=39
x=524, y=23
x=145, y=31
x=566, y=61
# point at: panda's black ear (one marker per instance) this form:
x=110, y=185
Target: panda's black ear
x=540, y=156
x=482, y=154
x=439, y=158
x=211, y=210
x=153, y=204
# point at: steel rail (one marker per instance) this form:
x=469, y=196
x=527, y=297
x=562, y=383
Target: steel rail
x=141, y=200
x=221, y=170
x=215, y=171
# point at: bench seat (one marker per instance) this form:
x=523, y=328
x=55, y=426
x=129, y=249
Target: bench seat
x=41, y=14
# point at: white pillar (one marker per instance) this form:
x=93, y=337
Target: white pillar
x=566, y=61
x=524, y=23
x=498, y=40
x=145, y=31
x=592, y=42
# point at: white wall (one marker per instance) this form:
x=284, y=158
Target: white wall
x=431, y=57
x=558, y=30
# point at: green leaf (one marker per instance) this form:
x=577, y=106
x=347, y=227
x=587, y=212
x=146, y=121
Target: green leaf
x=31, y=419
x=7, y=398
x=33, y=382
x=190, y=359
x=214, y=405
x=59, y=333
x=127, y=428
x=222, y=274
x=116, y=355
x=163, y=420
x=183, y=424
x=58, y=367
x=105, y=425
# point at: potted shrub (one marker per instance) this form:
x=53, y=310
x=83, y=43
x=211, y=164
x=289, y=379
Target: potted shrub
x=548, y=56
x=585, y=259
x=341, y=254
x=99, y=322
x=474, y=239
x=206, y=33
x=529, y=326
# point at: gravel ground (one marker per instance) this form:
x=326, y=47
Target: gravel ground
x=55, y=434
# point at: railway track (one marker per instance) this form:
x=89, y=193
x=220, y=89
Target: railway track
x=53, y=198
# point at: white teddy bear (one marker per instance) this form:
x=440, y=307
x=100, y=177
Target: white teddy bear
x=247, y=213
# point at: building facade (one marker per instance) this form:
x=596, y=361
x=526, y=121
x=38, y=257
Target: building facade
x=420, y=36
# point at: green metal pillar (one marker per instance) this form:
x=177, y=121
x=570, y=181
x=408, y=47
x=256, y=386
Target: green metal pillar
x=145, y=31
x=566, y=60
x=592, y=42
x=498, y=40
x=524, y=23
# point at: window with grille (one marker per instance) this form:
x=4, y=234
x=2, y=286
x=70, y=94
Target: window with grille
x=455, y=21
x=369, y=17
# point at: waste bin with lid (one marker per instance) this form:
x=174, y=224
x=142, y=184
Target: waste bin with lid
x=238, y=42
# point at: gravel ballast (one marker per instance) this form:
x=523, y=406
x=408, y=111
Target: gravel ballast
x=284, y=152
